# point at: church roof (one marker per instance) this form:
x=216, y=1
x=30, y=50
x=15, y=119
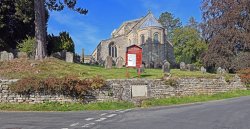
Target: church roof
x=147, y=21
x=150, y=20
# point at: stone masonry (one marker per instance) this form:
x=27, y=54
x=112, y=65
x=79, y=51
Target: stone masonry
x=122, y=89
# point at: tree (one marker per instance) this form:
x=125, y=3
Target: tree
x=170, y=23
x=226, y=27
x=16, y=22
x=192, y=23
x=13, y=26
x=188, y=45
x=40, y=31
x=60, y=43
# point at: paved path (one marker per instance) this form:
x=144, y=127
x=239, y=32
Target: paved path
x=223, y=114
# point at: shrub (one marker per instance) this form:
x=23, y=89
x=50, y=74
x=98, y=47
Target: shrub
x=245, y=76
x=172, y=82
x=68, y=86
x=27, y=45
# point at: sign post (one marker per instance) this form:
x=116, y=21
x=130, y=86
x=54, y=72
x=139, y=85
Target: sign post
x=134, y=58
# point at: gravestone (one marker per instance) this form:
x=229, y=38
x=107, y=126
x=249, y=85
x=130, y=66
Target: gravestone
x=203, y=70
x=166, y=67
x=190, y=67
x=219, y=70
x=22, y=55
x=182, y=66
x=223, y=71
x=69, y=57
x=119, y=62
x=108, y=62
x=11, y=56
x=151, y=64
x=4, y=56
x=142, y=68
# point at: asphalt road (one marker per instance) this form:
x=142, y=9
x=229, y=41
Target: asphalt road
x=223, y=114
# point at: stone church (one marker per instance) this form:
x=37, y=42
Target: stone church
x=145, y=32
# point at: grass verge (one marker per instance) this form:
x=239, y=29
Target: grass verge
x=56, y=106
x=193, y=99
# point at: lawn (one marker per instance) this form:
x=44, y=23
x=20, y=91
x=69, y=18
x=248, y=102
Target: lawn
x=56, y=68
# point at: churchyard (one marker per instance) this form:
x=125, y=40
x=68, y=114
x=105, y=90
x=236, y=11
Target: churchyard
x=22, y=68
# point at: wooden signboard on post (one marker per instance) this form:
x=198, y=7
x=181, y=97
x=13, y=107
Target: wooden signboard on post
x=134, y=58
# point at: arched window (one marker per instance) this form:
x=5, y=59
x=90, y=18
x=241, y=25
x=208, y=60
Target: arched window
x=142, y=39
x=156, y=38
x=112, y=50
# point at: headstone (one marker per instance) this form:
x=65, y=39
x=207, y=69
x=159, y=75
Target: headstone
x=11, y=56
x=142, y=68
x=108, y=62
x=82, y=59
x=223, y=71
x=190, y=67
x=69, y=57
x=4, y=56
x=151, y=64
x=166, y=67
x=22, y=55
x=77, y=59
x=203, y=70
x=219, y=70
x=182, y=66
x=119, y=62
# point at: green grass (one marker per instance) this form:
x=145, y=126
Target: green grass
x=193, y=99
x=55, y=106
x=57, y=68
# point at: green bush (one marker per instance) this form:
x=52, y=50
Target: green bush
x=27, y=45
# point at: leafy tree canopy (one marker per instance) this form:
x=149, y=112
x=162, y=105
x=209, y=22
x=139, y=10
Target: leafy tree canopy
x=60, y=43
x=170, y=23
x=226, y=27
x=188, y=45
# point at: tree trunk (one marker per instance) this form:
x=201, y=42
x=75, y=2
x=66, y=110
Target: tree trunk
x=40, y=29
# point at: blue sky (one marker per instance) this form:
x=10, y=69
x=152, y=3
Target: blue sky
x=106, y=15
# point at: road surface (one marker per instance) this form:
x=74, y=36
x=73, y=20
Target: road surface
x=223, y=114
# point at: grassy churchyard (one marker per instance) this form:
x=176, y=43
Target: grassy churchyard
x=20, y=68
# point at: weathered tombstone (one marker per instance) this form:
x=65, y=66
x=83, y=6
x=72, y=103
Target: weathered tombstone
x=151, y=64
x=22, y=55
x=166, y=67
x=203, y=70
x=69, y=57
x=142, y=68
x=190, y=67
x=11, y=56
x=108, y=62
x=182, y=66
x=219, y=70
x=57, y=55
x=4, y=56
x=223, y=71
x=119, y=62
x=77, y=58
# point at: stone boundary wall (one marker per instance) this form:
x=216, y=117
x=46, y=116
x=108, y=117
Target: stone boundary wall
x=131, y=89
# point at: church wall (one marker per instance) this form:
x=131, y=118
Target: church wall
x=119, y=42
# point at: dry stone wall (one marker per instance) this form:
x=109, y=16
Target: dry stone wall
x=132, y=90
